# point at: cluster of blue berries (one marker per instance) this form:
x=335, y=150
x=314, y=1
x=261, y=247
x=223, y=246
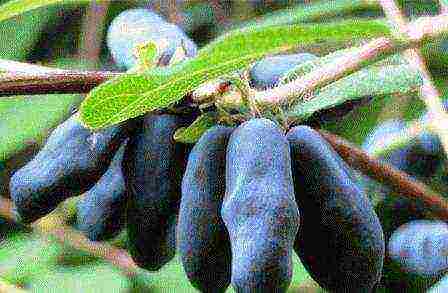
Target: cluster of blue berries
x=235, y=205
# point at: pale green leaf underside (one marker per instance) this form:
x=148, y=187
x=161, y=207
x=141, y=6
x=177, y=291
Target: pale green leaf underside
x=16, y=7
x=307, y=67
x=373, y=81
x=134, y=94
x=192, y=133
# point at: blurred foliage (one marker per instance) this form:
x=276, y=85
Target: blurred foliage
x=53, y=36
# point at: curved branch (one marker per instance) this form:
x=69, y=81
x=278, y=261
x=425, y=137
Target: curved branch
x=398, y=181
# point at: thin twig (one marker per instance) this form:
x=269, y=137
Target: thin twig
x=398, y=181
x=219, y=12
x=420, y=30
x=67, y=235
x=53, y=81
x=6, y=209
x=429, y=93
x=78, y=81
x=93, y=27
x=343, y=66
x=116, y=256
x=171, y=9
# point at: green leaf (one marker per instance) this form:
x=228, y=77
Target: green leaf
x=24, y=257
x=27, y=120
x=147, y=56
x=17, y=7
x=193, y=133
x=132, y=95
x=88, y=279
x=372, y=81
x=306, y=67
x=321, y=10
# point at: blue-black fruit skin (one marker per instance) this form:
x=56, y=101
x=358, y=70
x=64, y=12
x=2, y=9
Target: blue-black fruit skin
x=203, y=240
x=101, y=211
x=140, y=25
x=72, y=160
x=267, y=72
x=340, y=240
x=416, y=255
x=259, y=209
x=153, y=165
x=420, y=247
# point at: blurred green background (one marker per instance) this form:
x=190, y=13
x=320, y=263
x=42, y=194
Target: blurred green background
x=59, y=36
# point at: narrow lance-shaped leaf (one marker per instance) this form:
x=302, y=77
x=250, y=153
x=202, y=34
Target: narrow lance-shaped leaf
x=193, y=133
x=372, y=81
x=131, y=95
x=314, y=11
x=17, y=7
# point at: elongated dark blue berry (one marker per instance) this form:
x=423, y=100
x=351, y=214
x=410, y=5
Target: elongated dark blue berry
x=203, y=240
x=259, y=209
x=72, y=160
x=340, y=240
x=101, y=211
x=153, y=165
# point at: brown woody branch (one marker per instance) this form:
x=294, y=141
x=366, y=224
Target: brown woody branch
x=398, y=181
x=92, y=28
x=68, y=81
x=56, y=82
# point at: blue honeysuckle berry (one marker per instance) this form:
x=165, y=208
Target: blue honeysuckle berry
x=420, y=247
x=135, y=26
x=267, y=72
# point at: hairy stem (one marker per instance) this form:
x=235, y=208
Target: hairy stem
x=423, y=30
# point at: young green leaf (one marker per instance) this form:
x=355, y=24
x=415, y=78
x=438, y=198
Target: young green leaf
x=193, y=133
x=17, y=7
x=147, y=55
x=372, y=81
x=131, y=95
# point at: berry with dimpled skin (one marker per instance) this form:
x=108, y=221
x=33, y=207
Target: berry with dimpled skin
x=259, y=209
x=72, y=160
x=101, y=211
x=153, y=165
x=421, y=247
x=135, y=26
x=203, y=240
x=340, y=239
